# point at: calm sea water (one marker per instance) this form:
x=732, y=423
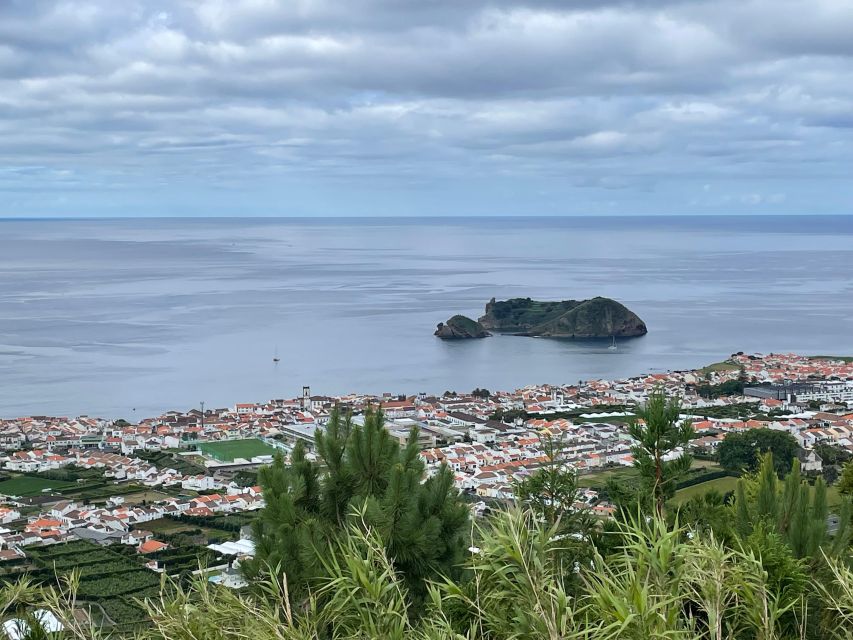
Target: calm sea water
x=132, y=317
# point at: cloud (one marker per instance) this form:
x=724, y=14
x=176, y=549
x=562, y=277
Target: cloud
x=303, y=103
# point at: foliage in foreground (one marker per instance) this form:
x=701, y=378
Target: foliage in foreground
x=658, y=433
x=660, y=583
x=422, y=522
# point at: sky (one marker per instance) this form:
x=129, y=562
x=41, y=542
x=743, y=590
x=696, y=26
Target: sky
x=425, y=107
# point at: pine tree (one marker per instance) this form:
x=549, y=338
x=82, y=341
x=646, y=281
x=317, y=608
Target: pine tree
x=551, y=490
x=818, y=521
x=841, y=540
x=286, y=528
x=766, y=503
x=789, y=504
x=796, y=512
x=659, y=432
x=845, y=483
x=363, y=478
x=743, y=519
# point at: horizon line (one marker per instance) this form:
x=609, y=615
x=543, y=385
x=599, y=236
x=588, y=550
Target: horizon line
x=9, y=218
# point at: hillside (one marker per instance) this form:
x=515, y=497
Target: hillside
x=595, y=318
x=459, y=328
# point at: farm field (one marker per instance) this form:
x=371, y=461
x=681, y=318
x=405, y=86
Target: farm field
x=723, y=485
x=229, y=450
x=169, y=527
x=109, y=581
x=30, y=486
x=181, y=463
x=623, y=474
x=145, y=496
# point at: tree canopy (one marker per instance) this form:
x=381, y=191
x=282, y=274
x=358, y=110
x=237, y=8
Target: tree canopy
x=742, y=451
x=362, y=477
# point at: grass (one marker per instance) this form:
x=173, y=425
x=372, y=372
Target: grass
x=719, y=366
x=30, y=486
x=100, y=493
x=833, y=498
x=145, y=496
x=183, y=464
x=229, y=450
x=623, y=474
x=164, y=525
x=609, y=420
x=599, y=478
x=842, y=358
x=722, y=485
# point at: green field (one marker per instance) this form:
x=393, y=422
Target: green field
x=719, y=366
x=833, y=498
x=842, y=358
x=598, y=479
x=228, y=450
x=723, y=485
x=30, y=486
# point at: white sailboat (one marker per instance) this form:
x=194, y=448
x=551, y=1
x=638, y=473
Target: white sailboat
x=612, y=346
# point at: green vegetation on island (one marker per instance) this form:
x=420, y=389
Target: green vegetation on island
x=595, y=318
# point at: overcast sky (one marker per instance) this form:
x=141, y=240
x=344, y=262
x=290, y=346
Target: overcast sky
x=425, y=107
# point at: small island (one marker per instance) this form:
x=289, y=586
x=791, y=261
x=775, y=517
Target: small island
x=460, y=328
x=595, y=318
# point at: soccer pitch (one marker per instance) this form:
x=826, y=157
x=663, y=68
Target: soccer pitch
x=229, y=450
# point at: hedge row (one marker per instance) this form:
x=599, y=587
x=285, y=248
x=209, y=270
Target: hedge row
x=117, y=584
x=705, y=477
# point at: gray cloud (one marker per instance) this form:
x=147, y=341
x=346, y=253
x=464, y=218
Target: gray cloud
x=296, y=106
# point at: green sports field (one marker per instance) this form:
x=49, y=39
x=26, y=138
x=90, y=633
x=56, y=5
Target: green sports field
x=29, y=486
x=230, y=449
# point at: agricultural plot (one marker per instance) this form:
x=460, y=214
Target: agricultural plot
x=110, y=581
x=723, y=485
x=230, y=450
x=28, y=486
x=163, y=460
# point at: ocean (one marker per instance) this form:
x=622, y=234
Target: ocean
x=129, y=318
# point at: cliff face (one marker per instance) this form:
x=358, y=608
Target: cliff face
x=459, y=328
x=595, y=318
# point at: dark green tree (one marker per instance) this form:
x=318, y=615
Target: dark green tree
x=792, y=509
x=845, y=483
x=552, y=489
x=832, y=454
x=708, y=512
x=742, y=451
x=658, y=432
x=362, y=477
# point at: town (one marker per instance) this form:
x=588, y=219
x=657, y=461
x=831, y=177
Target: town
x=160, y=494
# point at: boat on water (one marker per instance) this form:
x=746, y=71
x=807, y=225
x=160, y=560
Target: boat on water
x=275, y=358
x=613, y=346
